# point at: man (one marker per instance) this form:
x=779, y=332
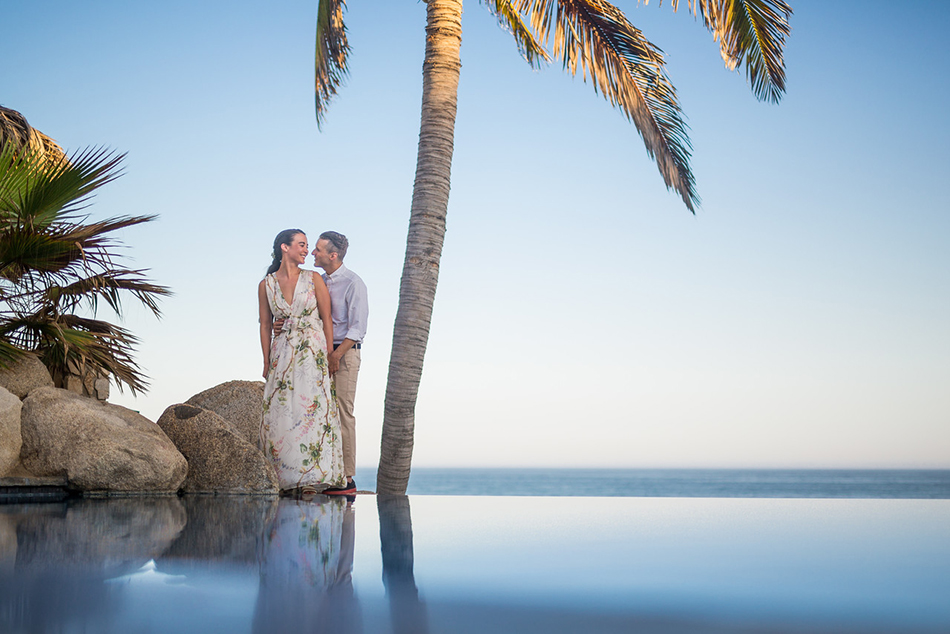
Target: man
x=349, y=309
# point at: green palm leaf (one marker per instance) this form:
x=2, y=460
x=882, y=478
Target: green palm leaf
x=512, y=21
x=38, y=191
x=595, y=37
x=331, y=52
x=53, y=261
x=109, y=287
x=750, y=31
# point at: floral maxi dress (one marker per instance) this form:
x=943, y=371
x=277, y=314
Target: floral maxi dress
x=300, y=428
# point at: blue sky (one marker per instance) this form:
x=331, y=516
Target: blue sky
x=584, y=317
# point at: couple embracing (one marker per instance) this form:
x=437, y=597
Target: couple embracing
x=312, y=329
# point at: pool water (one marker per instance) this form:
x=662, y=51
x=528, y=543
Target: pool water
x=475, y=564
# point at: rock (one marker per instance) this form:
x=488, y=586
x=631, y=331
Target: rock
x=74, y=561
x=101, y=537
x=97, y=446
x=221, y=529
x=87, y=381
x=101, y=389
x=7, y=546
x=238, y=402
x=220, y=459
x=26, y=374
x=10, y=439
x=19, y=471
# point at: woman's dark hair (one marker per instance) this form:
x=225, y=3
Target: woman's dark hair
x=284, y=237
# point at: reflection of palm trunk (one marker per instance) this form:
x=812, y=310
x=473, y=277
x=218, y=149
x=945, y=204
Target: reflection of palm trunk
x=395, y=537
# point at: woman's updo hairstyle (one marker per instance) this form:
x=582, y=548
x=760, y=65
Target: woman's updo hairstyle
x=284, y=237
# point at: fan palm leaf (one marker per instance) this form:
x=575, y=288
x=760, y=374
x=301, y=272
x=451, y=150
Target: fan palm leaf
x=37, y=192
x=108, y=286
x=54, y=261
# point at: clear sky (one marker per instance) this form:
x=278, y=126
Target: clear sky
x=584, y=317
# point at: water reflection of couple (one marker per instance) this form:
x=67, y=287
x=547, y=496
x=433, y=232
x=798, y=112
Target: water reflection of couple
x=306, y=563
x=301, y=431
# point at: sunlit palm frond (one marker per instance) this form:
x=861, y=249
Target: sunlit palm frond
x=754, y=31
x=331, y=52
x=595, y=37
x=17, y=132
x=750, y=31
x=509, y=17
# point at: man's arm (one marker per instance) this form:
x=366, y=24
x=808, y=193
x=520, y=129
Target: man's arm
x=357, y=312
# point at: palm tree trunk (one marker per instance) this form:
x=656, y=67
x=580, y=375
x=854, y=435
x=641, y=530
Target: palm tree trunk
x=420, y=273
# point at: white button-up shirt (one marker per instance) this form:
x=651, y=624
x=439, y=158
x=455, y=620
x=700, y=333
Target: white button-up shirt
x=348, y=305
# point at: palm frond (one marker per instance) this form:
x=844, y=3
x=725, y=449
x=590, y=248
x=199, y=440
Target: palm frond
x=511, y=20
x=331, y=52
x=71, y=341
x=61, y=189
x=24, y=252
x=95, y=345
x=53, y=261
x=10, y=354
x=750, y=31
x=17, y=132
x=60, y=252
x=107, y=286
x=596, y=37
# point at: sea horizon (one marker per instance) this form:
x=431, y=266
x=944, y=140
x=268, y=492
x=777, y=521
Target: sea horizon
x=674, y=482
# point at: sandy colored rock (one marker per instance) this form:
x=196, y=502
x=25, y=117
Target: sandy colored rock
x=7, y=545
x=238, y=402
x=97, y=446
x=25, y=375
x=220, y=459
x=10, y=439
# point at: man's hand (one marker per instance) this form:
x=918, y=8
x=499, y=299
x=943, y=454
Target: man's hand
x=334, y=362
x=278, y=326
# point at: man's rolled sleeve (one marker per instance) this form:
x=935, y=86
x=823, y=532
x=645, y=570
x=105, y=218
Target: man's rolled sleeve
x=357, y=311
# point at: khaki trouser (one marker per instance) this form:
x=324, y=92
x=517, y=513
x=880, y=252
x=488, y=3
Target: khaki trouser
x=345, y=381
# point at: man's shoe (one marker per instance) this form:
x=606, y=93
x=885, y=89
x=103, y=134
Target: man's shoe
x=348, y=489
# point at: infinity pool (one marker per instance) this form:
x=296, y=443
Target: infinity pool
x=475, y=564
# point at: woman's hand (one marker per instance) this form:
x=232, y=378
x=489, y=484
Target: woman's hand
x=266, y=323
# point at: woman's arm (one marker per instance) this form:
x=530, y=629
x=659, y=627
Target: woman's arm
x=323, y=308
x=266, y=320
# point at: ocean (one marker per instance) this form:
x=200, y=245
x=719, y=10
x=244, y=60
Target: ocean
x=719, y=483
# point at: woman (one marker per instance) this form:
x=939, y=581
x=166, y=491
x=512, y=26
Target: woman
x=300, y=430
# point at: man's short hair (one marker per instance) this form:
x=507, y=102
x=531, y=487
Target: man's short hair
x=337, y=243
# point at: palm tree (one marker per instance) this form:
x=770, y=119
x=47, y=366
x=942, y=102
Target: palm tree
x=15, y=129
x=54, y=262
x=592, y=36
